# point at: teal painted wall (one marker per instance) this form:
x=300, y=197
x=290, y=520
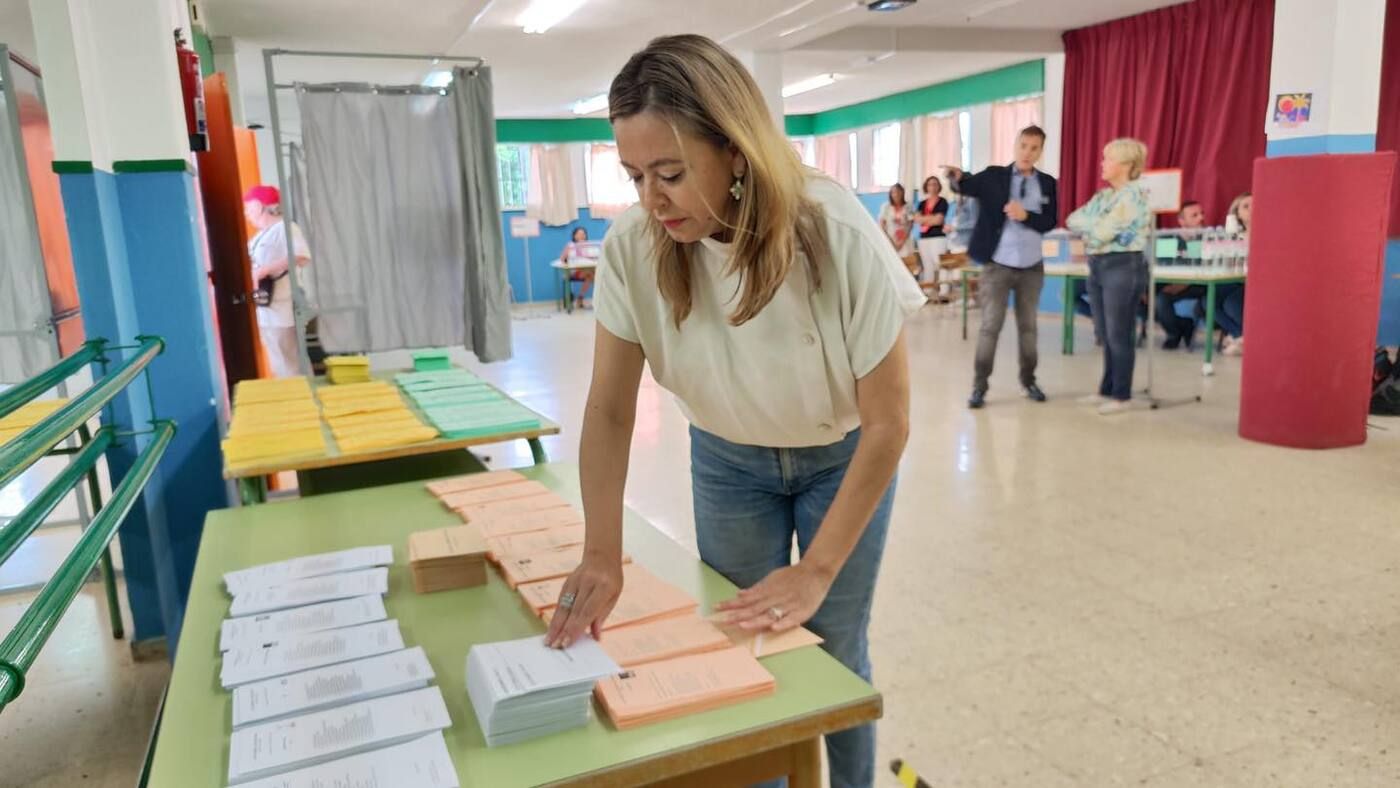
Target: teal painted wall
x=1004, y=83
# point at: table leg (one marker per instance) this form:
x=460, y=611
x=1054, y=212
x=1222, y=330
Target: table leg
x=807, y=764
x=962, y=275
x=252, y=490
x=1067, y=316
x=1208, y=369
x=537, y=449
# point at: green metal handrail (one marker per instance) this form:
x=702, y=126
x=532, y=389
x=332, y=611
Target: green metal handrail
x=32, y=444
x=22, y=645
x=13, y=398
x=13, y=533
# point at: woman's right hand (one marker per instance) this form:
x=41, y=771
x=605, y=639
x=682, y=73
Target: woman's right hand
x=595, y=587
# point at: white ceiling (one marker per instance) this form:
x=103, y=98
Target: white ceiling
x=543, y=75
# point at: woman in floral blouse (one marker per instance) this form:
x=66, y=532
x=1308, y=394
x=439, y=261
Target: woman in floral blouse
x=1115, y=224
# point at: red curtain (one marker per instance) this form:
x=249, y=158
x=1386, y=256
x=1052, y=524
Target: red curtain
x=1388, y=123
x=1191, y=81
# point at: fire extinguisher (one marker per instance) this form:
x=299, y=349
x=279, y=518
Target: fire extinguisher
x=192, y=89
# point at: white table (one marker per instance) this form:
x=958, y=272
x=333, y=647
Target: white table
x=566, y=297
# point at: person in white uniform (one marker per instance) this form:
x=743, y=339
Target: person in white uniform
x=262, y=205
x=765, y=297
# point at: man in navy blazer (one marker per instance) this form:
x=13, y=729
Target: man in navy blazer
x=1016, y=208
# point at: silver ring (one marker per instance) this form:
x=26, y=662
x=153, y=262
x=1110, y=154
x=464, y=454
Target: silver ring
x=777, y=613
x=567, y=600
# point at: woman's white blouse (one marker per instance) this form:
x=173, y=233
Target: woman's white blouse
x=786, y=378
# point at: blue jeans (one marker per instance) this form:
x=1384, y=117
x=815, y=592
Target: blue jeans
x=1116, y=284
x=750, y=502
x=1229, y=309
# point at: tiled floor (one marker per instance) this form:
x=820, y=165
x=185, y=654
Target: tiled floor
x=1066, y=599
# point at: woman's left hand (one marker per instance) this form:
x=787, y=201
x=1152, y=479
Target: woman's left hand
x=786, y=599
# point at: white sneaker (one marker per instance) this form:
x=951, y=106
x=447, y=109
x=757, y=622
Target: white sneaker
x=1113, y=407
x=1093, y=399
x=1233, y=347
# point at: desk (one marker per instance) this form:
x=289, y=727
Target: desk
x=735, y=745
x=1169, y=274
x=566, y=291
x=252, y=479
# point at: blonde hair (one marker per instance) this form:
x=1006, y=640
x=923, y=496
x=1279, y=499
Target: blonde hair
x=1235, y=208
x=1130, y=152
x=701, y=89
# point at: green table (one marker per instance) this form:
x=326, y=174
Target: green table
x=335, y=470
x=743, y=743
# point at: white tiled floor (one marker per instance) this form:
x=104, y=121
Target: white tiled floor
x=1066, y=599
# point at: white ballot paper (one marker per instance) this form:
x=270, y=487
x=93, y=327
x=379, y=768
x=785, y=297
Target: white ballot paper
x=309, y=591
x=311, y=739
x=304, y=652
x=267, y=628
x=521, y=689
x=333, y=685
x=421, y=763
x=281, y=572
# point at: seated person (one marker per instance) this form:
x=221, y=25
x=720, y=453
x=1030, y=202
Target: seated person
x=1178, y=327
x=584, y=275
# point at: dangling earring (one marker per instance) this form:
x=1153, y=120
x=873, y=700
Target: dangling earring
x=737, y=189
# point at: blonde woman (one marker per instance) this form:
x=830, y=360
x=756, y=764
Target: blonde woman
x=766, y=299
x=1230, y=315
x=1115, y=224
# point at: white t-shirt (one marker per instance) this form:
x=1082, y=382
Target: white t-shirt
x=268, y=246
x=787, y=377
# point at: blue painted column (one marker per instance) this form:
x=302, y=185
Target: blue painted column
x=128, y=190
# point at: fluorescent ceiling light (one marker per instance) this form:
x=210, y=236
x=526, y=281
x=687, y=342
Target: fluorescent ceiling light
x=808, y=85
x=987, y=8
x=541, y=15
x=591, y=105
x=438, y=79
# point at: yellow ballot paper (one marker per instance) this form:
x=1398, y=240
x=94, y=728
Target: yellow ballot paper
x=474, y=481
x=665, y=639
x=674, y=688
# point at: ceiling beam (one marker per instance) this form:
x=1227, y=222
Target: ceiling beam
x=936, y=39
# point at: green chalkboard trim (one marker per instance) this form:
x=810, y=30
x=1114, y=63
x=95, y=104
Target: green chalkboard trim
x=151, y=165
x=72, y=167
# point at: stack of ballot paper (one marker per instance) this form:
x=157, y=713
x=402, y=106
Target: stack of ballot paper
x=300, y=568
x=370, y=415
x=645, y=597
x=270, y=627
x=683, y=636
x=420, y=763
x=522, y=689
x=431, y=360
x=548, y=565
x=461, y=405
x=247, y=663
x=273, y=420
x=310, y=590
x=672, y=688
x=332, y=685
x=499, y=548
x=307, y=740
x=26, y=416
x=447, y=558
x=472, y=481
x=508, y=516
x=347, y=369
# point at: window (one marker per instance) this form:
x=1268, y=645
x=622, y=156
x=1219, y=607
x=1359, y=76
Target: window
x=513, y=171
x=806, y=149
x=885, y=159
x=855, y=173
x=610, y=191
x=965, y=132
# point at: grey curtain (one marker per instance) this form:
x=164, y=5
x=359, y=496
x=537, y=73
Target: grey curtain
x=486, y=311
x=26, y=346
x=384, y=216
x=406, y=251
